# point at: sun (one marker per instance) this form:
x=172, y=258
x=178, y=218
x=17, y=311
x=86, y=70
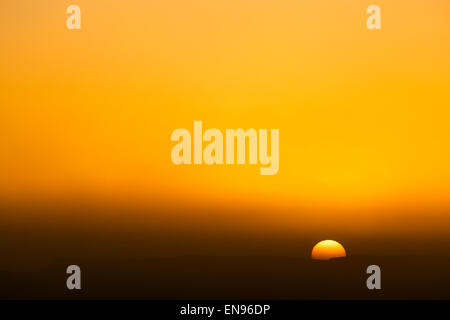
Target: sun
x=327, y=249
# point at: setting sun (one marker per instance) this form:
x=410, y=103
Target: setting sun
x=327, y=249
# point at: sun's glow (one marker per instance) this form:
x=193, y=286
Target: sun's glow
x=327, y=249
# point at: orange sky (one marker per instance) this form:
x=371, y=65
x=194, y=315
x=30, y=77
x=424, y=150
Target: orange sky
x=363, y=115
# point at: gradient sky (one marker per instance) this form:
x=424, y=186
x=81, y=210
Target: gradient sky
x=363, y=115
